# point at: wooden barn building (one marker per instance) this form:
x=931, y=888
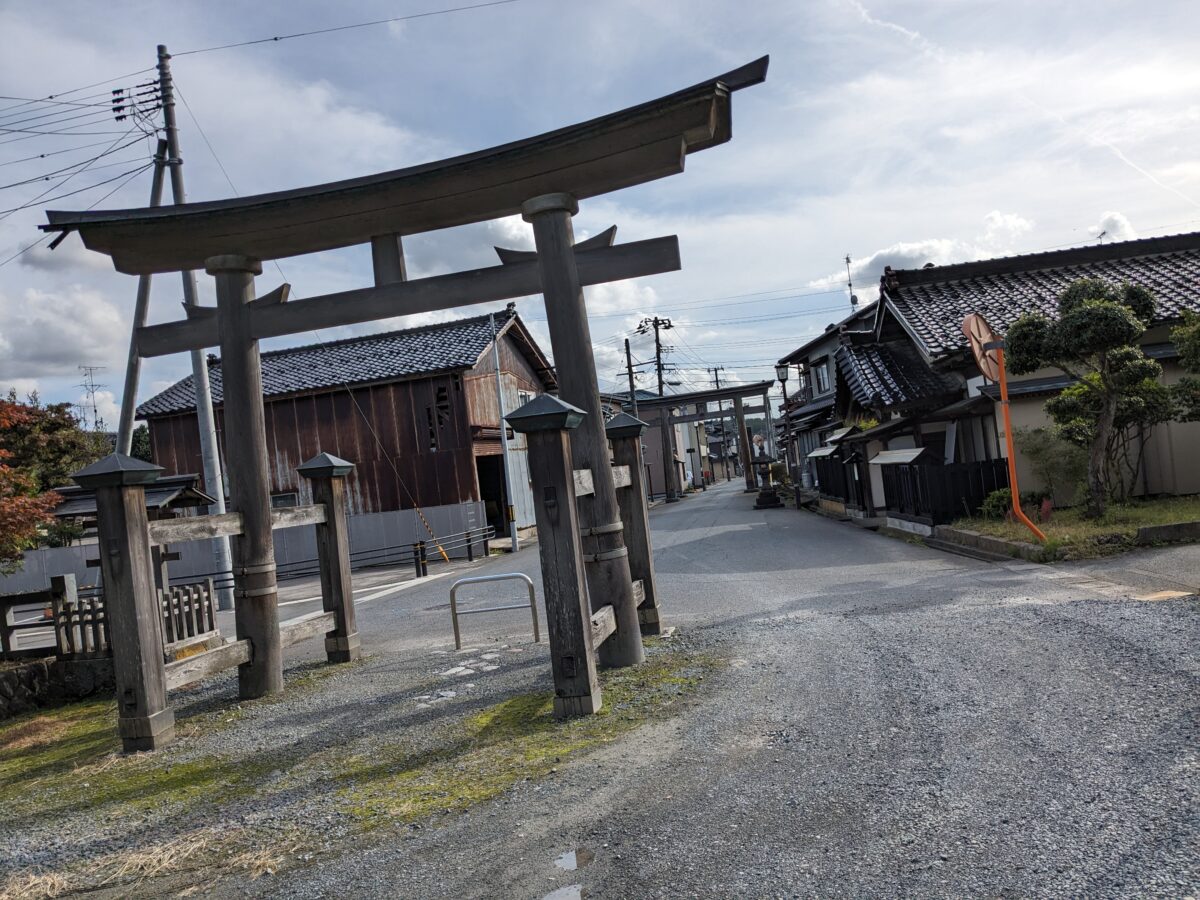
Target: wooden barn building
x=415, y=410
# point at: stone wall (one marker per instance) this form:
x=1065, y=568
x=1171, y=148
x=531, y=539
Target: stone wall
x=29, y=685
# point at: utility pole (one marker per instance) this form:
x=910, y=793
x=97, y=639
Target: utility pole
x=667, y=433
x=629, y=369
x=133, y=366
x=716, y=374
x=213, y=483
x=508, y=491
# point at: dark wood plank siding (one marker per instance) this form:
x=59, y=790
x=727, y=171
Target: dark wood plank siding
x=397, y=463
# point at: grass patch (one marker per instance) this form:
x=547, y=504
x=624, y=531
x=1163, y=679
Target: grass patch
x=1077, y=537
x=56, y=763
x=512, y=741
x=70, y=757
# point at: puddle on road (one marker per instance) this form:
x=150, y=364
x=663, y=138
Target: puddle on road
x=574, y=859
x=570, y=892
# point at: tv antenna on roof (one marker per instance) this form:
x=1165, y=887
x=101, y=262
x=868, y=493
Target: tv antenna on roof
x=850, y=284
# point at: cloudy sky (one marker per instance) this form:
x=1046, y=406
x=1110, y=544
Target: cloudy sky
x=897, y=132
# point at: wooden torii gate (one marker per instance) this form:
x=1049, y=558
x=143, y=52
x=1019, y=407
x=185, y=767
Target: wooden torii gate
x=735, y=392
x=542, y=178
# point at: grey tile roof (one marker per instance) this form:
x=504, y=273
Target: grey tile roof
x=932, y=302
x=891, y=375
x=389, y=356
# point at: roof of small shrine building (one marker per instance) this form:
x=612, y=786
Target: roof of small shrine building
x=373, y=359
x=932, y=302
x=891, y=375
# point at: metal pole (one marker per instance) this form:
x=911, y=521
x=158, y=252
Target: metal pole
x=508, y=491
x=213, y=483
x=133, y=366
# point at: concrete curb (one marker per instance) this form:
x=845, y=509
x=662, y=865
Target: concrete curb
x=1174, y=533
x=985, y=542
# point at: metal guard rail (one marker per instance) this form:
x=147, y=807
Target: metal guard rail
x=478, y=579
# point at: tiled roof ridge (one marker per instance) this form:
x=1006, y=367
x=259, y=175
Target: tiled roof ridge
x=464, y=333
x=1048, y=259
x=383, y=335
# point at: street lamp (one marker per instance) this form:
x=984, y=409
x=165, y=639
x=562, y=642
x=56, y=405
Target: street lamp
x=781, y=372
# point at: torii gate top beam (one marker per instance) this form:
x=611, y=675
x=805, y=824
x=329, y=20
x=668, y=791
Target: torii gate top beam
x=730, y=392
x=633, y=146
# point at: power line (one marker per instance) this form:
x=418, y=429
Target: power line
x=47, y=237
x=13, y=162
x=54, y=98
x=4, y=213
x=300, y=34
x=85, y=163
x=7, y=213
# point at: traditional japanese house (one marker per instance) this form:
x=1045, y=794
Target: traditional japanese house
x=416, y=411
x=928, y=437
x=810, y=416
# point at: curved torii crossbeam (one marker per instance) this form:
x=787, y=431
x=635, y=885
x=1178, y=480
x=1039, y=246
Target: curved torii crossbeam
x=633, y=146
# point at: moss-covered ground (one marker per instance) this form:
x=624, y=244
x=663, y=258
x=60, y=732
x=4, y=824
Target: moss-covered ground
x=66, y=762
x=516, y=739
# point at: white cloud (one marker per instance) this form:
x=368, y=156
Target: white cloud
x=23, y=386
x=54, y=332
x=1113, y=226
x=1003, y=229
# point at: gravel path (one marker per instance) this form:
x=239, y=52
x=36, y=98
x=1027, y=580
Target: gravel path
x=892, y=721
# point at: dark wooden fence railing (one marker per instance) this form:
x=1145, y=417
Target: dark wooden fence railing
x=939, y=494
x=831, y=477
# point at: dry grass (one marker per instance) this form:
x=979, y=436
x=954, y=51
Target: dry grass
x=267, y=860
x=228, y=851
x=35, y=732
x=132, y=866
x=34, y=886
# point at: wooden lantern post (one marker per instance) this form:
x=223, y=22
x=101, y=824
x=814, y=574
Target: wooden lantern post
x=625, y=432
x=255, y=591
x=144, y=720
x=607, y=569
x=328, y=476
x=546, y=422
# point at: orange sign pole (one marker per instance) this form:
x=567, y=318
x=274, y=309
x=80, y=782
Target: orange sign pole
x=1012, y=455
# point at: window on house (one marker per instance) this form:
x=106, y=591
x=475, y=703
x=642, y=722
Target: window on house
x=431, y=424
x=443, y=407
x=523, y=397
x=821, y=376
x=290, y=498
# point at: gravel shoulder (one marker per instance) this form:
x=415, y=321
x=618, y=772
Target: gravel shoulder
x=847, y=715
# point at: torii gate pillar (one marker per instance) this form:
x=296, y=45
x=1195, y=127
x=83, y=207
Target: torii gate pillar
x=256, y=594
x=605, y=555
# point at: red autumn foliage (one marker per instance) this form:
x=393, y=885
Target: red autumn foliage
x=23, y=511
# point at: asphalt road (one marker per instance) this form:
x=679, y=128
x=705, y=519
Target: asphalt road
x=894, y=722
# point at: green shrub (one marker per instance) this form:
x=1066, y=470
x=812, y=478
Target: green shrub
x=997, y=504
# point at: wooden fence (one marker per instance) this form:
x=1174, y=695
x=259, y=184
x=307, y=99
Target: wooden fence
x=939, y=494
